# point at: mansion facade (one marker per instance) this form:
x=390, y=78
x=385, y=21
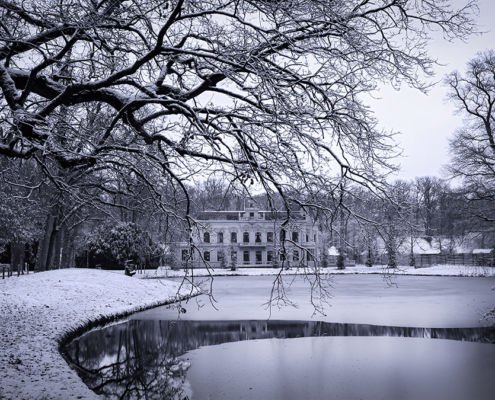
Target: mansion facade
x=251, y=238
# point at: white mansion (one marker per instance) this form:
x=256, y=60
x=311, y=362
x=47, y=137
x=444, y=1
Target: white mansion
x=251, y=238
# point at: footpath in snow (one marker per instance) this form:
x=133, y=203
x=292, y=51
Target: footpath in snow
x=37, y=309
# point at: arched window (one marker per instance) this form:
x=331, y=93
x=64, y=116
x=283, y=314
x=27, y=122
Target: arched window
x=307, y=238
x=220, y=237
x=233, y=237
x=257, y=237
x=245, y=237
x=206, y=256
x=206, y=237
x=295, y=236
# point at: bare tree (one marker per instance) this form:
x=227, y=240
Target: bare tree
x=258, y=90
x=265, y=94
x=473, y=146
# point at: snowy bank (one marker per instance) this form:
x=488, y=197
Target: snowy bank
x=36, y=310
x=435, y=270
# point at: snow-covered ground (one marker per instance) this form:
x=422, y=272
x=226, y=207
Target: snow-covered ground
x=436, y=270
x=37, y=309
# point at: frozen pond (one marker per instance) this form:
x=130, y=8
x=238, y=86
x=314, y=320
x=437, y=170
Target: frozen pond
x=421, y=340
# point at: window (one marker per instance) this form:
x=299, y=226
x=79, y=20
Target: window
x=220, y=237
x=220, y=256
x=295, y=236
x=246, y=257
x=269, y=237
x=206, y=237
x=251, y=214
x=307, y=238
x=258, y=257
x=233, y=237
x=257, y=237
x=310, y=255
x=282, y=235
x=245, y=237
x=206, y=256
x=295, y=256
x=315, y=237
x=185, y=254
x=269, y=256
x=260, y=214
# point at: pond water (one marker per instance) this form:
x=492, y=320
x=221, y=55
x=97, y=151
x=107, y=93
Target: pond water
x=420, y=340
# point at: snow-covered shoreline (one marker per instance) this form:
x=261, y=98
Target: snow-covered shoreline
x=435, y=270
x=36, y=310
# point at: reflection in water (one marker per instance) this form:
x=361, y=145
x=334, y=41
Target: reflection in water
x=138, y=359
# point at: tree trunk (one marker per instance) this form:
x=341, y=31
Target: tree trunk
x=17, y=256
x=68, y=250
x=44, y=247
x=57, y=247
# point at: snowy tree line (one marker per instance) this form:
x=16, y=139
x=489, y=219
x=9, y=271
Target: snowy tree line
x=426, y=209
x=111, y=110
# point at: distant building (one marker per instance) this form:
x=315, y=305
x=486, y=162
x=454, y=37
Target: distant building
x=251, y=238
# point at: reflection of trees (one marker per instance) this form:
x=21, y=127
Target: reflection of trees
x=138, y=359
x=126, y=363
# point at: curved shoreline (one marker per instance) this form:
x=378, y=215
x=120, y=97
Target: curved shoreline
x=41, y=312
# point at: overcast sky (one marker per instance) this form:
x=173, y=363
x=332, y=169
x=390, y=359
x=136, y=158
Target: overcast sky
x=427, y=121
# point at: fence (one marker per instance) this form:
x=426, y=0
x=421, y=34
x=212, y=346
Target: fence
x=425, y=260
x=7, y=270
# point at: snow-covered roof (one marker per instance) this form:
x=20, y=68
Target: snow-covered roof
x=482, y=251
